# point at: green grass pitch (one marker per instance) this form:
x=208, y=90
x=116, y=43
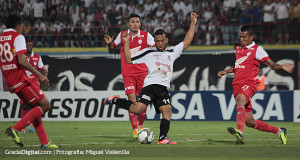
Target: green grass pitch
x=196, y=140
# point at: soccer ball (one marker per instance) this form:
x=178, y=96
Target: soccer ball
x=146, y=136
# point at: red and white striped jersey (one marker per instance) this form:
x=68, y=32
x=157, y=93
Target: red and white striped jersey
x=36, y=61
x=12, y=44
x=247, y=62
x=138, y=42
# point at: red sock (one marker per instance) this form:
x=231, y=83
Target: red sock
x=133, y=120
x=240, y=118
x=29, y=117
x=142, y=118
x=23, y=113
x=263, y=126
x=40, y=130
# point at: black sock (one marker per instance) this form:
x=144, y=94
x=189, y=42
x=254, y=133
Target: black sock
x=164, y=128
x=122, y=103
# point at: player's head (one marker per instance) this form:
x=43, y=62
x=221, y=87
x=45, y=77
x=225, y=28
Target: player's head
x=29, y=46
x=14, y=22
x=134, y=22
x=160, y=39
x=246, y=35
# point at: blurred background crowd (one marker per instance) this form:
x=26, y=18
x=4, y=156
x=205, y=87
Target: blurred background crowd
x=82, y=23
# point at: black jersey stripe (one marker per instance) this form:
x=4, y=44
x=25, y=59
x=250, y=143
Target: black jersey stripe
x=142, y=55
x=169, y=50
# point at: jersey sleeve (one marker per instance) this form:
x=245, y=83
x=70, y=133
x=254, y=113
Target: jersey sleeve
x=261, y=54
x=117, y=41
x=41, y=64
x=140, y=56
x=20, y=44
x=150, y=40
x=178, y=50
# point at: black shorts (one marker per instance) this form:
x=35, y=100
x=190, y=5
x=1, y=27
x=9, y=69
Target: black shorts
x=156, y=94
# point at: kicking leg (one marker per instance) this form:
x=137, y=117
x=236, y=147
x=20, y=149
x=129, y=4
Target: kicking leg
x=166, y=111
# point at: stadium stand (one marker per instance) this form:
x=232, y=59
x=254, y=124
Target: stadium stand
x=82, y=23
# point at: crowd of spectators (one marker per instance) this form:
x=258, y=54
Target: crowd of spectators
x=66, y=23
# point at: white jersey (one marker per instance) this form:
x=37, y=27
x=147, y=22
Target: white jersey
x=159, y=63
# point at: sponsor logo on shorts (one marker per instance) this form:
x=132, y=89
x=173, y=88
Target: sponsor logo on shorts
x=129, y=87
x=146, y=97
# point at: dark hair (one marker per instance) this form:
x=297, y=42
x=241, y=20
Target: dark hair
x=133, y=15
x=160, y=32
x=12, y=21
x=247, y=28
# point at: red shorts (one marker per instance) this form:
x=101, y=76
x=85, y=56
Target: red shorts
x=134, y=84
x=36, y=85
x=31, y=94
x=248, y=91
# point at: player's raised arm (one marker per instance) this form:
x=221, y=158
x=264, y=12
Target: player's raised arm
x=109, y=41
x=288, y=67
x=127, y=53
x=190, y=34
x=222, y=73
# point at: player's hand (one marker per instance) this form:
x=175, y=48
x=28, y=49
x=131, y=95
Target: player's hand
x=288, y=67
x=45, y=81
x=194, y=17
x=221, y=73
x=108, y=39
x=126, y=37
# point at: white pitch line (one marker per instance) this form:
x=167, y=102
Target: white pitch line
x=66, y=144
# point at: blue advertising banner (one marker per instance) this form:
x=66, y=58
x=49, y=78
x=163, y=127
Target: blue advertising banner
x=220, y=105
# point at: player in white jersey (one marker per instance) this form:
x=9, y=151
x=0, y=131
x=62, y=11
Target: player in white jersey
x=159, y=62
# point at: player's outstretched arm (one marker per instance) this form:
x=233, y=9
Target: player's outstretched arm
x=109, y=41
x=23, y=61
x=222, y=73
x=190, y=34
x=127, y=53
x=288, y=67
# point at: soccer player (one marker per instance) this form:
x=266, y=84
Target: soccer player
x=13, y=64
x=36, y=61
x=263, y=81
x=159, y=61
x=133, y=74
x=248, y=58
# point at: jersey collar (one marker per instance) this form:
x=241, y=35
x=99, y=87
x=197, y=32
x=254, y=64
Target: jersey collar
x=139, y=33
x=251, y=45
x=8, y=29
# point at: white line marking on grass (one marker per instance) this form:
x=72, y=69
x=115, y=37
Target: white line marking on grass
x=67, y=144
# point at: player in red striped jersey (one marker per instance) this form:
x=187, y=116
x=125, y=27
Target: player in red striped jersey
x=248, y=59
x=13, y=64
x=133, y=74
x=36, y=61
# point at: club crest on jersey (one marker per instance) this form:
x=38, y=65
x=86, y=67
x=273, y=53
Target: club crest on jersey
x=140, y=41
x=34, y=63
x=248, y=54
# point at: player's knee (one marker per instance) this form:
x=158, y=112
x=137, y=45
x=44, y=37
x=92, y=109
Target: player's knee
x=45, y=105
x=250, y=123
x=166, y=111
